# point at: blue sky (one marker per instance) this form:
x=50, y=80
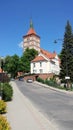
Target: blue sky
x=49, y=19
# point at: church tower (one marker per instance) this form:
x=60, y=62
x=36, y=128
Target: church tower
x=31, y=39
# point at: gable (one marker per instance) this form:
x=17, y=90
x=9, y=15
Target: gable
x=38, y=58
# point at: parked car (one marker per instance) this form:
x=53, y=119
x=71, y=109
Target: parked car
x=29, y=80
x=21, y=79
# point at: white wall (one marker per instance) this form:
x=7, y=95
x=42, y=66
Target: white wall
x=38, y=68
x=47, y=67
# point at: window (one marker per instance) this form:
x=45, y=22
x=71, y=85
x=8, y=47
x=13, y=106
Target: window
x=53, y=62
x=33, y=64
x=28, y=39
x=41, y=71
x=34, y=71
x=40, y=64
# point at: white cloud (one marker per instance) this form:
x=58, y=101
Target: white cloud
x=20, y=44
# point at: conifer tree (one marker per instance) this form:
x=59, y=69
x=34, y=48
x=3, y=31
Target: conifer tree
x=67, y=54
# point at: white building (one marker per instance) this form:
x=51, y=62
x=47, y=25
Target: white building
x=45, y=62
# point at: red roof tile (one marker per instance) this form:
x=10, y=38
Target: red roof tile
x=48, y=54
x=1, y=70
x=38, y=58
x=31, y=31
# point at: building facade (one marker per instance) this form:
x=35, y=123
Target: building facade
x=45, y=63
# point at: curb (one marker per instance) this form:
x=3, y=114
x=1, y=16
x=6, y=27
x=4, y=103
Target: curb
x=53, y=88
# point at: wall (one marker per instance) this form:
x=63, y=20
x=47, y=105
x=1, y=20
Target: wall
x=43, y=76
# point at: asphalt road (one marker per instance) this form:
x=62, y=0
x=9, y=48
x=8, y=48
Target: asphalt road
x=55, y=105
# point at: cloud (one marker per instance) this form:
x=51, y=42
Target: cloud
x=20, y=44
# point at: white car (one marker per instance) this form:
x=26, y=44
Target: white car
x=29, y=80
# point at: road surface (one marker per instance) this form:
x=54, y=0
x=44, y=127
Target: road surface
x=56, y=106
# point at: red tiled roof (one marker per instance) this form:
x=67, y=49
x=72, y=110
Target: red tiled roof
x=48, y=54
x=38, y=58
x=1, y=70
x=31, y=31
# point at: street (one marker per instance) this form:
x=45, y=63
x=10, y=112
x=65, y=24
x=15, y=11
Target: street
x=56, y=106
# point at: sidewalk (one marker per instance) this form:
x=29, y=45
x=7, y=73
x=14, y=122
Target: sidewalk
x=22, y=115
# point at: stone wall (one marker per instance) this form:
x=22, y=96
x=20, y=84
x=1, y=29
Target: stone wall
x=35, y=76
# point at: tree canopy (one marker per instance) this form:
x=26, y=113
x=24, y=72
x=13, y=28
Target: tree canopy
x=27, y=57
x=67, y=54
x=11, y=65
x=14, y=64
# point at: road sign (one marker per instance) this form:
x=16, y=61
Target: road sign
x=67, y=77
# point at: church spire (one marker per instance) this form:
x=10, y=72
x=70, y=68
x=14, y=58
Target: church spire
x=31, y=30
x=31, y=24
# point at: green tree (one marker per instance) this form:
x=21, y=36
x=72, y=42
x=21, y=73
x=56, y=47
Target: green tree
x=67, y=54
x=11, y=65
x=14, y=64
x=7, y=62
x=26, y=58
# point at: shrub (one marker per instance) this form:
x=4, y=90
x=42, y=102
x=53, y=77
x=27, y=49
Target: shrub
x=4, y=125
x=2, y=107
x=40, y=80
x=7, y=92
x=51, y=82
